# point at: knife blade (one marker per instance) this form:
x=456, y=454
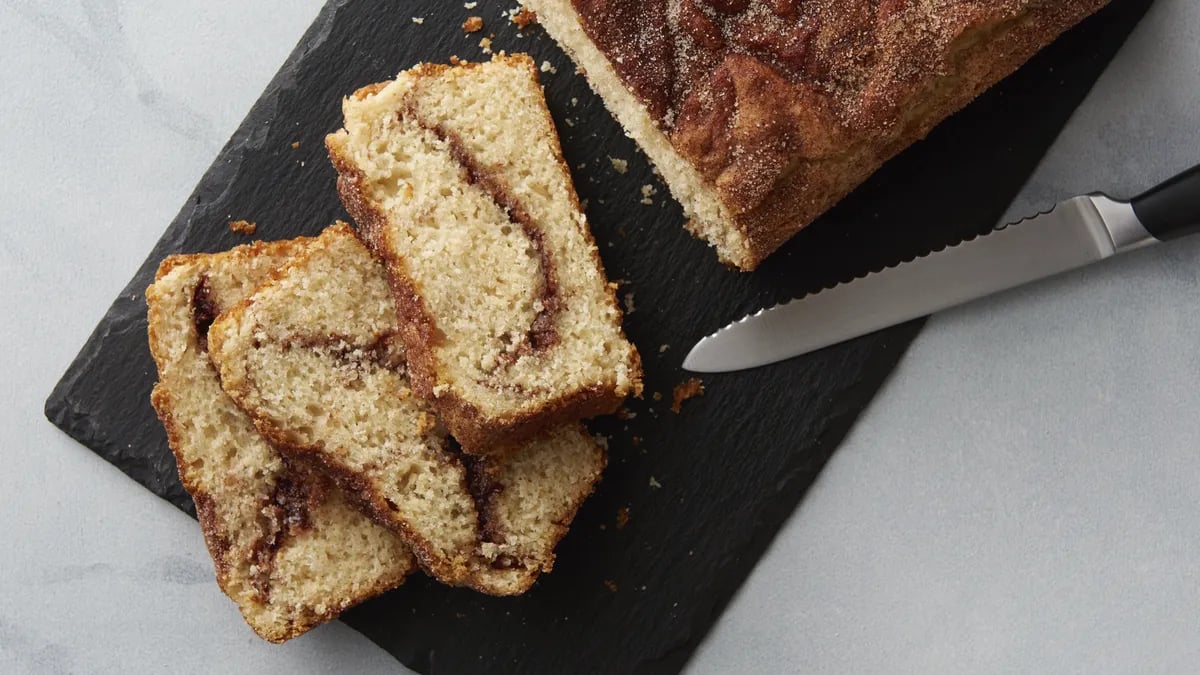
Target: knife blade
x=1075, y=233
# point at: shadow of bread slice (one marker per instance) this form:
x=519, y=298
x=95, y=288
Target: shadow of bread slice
x=287, y=546
x=456, y=179
x=313, y=356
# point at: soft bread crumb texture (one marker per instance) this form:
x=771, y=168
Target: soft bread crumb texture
x=708, y=217
x=313, y=357
x=285, y=577
x=456, y=178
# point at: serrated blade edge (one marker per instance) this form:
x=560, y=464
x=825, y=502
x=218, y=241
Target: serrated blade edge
x=1070, y=235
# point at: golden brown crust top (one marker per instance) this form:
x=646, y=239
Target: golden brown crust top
x=750, y=90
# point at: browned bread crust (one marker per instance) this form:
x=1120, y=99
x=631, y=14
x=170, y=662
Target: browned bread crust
x=779, y=108
x=477, y=431
x=263, y=519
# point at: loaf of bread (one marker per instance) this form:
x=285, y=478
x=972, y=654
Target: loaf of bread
x=457, y=181
x=313, y=356
x=287, y=546
x=762, y=114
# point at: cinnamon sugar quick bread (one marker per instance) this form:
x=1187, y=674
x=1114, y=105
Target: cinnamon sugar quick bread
x=762, y=114
x=456, y=179
x=287, y=547
x=313, y=357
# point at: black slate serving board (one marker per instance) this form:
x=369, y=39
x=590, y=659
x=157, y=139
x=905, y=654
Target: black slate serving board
x=706, y=489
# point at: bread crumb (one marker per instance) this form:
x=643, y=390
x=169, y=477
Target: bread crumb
x=570, y=122
x=610, y=585
x=455, y=61
x=622, y=517
x=574, y=101
x=601, y=441
x=636, y=441
x=654, y=483
x=620, y=165
x=663, y=349
x=626, y=414
x=629, y=309
x=425, y=423
x=295, y=145
x=657, y=396
x=524, y=17
x=473, y=24
x=486, y=45
x=548, y=67
x=418, y=20
x=648, y=191
x=685, y=390
x=243, y=227
x=470, y=5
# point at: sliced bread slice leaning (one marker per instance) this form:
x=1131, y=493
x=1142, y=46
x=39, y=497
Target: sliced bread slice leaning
x=287, y=546
x=457, y=180
x=313, y=357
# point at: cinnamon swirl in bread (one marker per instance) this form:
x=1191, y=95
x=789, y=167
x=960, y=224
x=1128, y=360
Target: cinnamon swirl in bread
x=287, y=546
x=456, y=179
x=314, y=358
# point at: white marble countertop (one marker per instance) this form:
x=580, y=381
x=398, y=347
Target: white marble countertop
x=1023, y=495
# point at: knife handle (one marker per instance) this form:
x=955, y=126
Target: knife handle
x=1171, y=209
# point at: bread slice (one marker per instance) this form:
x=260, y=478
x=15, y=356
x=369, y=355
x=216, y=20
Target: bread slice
x=456, y=179
x=313, y=357
x=761, y=115
x=287, y=546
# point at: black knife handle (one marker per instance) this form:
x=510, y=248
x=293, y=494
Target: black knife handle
x=1172, y=209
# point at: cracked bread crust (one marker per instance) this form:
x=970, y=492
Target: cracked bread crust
x=264, y=520
x=423, y=328
x=762, y=114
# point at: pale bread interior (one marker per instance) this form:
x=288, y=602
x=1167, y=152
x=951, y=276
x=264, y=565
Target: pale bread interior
x=342, y=557
x=708, y=217
x=312, y=356
x=474, y=266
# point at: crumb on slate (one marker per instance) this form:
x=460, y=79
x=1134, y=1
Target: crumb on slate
x=610, y=585
x=524, y=17
x=648, y=191
x=243, y=227
x=685, y=390
x=625, y=414
x=295, y=145
x=470, y=5
x=418, y=20
x=657, y=396
x=654, y=483
x=486, y=45
x=663, y=349
x=629, y=309
x=620, y=165
x=622, y=517
x=548, y=67
x=473, y=24
x=636, y=440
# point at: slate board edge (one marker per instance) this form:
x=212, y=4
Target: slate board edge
x=130, y=307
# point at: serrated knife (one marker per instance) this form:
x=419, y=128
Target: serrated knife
x=1076, y=232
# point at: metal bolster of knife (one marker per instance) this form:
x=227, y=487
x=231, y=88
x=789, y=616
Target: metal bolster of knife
x=1123, y=225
